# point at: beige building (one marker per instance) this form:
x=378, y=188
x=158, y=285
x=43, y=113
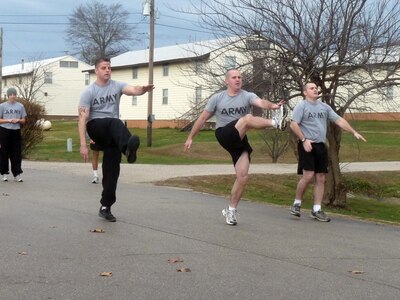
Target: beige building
x=56, y=82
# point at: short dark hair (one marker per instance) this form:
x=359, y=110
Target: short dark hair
x=100, y=60
x=307, y=83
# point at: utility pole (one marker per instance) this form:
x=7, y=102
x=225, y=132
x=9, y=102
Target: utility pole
x=1, y=62
x=150, y=117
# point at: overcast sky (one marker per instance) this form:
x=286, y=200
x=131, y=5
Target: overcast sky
x=35, y=29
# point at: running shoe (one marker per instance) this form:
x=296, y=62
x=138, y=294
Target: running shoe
x=105, y=213
x=280, y=117
x=320, y=216
x=18, y=178
x=230, y=216
x=295, y=210
x=133, y=145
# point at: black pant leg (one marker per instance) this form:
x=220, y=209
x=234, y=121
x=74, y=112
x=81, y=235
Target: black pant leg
x=109, y=131
x=4, y=143
x=112, y=135
x=15, y=152
x=111, y=170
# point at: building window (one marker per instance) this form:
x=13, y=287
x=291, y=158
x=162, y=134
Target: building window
x=69, y=64
x=87, y=79
x=135, y=72
x=198, y=67
x=48, y=77
x=20, y=79
x=134, y=100
x=165, y=96
x=165, y=69
x=197, y=97
x=230, y=62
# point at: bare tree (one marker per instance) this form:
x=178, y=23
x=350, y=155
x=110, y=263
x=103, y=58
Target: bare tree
x=96, y=29
x=350, y=48
x=30, y=84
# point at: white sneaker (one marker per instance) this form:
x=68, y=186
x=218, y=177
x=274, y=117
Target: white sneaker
x=95, y=179
x=5, y=177
x=280, y=118
x=18, y=178
x=230, y=216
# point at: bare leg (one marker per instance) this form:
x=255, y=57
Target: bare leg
x=242, y=177
x=251, y=122
x=319, y=187
x=303, y=183
x=95, y=160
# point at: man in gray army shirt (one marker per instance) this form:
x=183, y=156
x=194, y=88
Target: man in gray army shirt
x=232, y=108
x=12, y=116
x=309, y=123
x=99, y=117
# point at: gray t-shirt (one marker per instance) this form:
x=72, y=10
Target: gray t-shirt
x=103, y=101
x=12, y=110
x=229, y=108
x=313, y=117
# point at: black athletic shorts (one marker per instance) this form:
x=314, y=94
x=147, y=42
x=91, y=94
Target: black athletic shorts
x=229, y=138
x=316, y=160
x=95, y=147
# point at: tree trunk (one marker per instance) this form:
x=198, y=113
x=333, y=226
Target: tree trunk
x=335, y=191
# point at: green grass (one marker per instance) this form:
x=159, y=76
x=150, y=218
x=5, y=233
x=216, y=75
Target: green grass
x=372, y=195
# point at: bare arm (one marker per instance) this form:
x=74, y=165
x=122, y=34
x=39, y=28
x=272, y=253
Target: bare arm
x=197, y=126
x=294, y=126
x=137, y=90
x=342, y=123
x=266, y=104
x=83, y=117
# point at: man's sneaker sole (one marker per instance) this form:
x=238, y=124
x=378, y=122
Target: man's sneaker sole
x=320, y=219
x=132, y=147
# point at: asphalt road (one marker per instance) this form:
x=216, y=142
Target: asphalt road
x=49, y=252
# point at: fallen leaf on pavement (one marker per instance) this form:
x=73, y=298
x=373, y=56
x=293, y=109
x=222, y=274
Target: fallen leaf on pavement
x=356, y=272
x=98, y=230
x=175, y=260
x=106, y=274
x=183, y=270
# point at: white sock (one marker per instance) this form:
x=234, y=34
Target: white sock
x=316, y=208
x=95, y=173
x=297, y=201
x=231, y=208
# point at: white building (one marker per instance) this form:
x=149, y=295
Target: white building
x=58, y=83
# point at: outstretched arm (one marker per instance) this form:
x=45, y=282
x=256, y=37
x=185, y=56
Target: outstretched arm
x=266, y=104
x=197, y=126
x=342, y=123
x=137, y=90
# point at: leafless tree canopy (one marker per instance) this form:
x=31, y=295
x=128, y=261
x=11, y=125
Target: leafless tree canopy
x=351, y=45
x=96, y=29
x=322, y=41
